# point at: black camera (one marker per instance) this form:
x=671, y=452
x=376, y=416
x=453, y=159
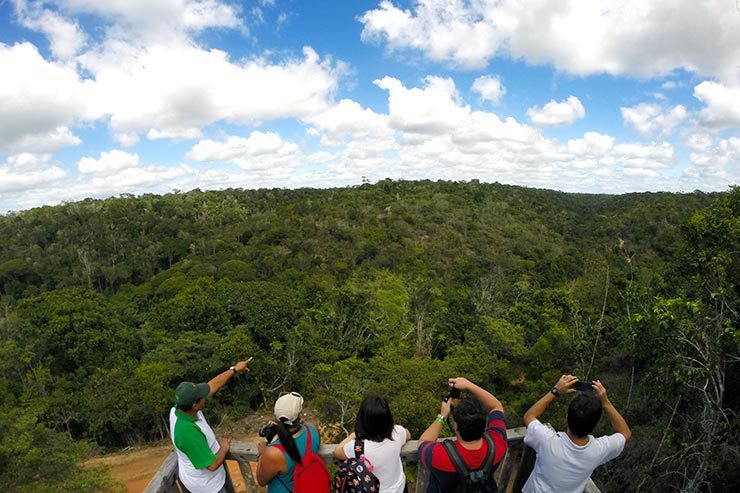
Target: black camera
x=268, y=432
x=582, y=386
x=452, y=393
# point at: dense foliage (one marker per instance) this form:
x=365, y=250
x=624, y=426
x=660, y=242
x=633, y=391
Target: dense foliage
x=390, y=288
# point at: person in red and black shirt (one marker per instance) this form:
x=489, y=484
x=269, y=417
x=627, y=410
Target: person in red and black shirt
x=479, y=414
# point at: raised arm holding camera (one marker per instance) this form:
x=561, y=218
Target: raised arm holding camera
x=480, y=429
x=565, y=461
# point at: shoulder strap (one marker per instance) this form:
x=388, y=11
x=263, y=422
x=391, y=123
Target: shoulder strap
x=454, y=455
x=359, y=443
x=490, y=453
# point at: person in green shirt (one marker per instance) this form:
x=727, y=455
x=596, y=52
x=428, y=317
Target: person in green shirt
x=200, y=456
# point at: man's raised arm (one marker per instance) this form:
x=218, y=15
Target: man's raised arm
x=220, y=380
x=618, y=423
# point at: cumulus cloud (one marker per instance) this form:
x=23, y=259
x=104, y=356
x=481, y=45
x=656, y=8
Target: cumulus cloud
x=577, y=37
x=42, y=99
x=65, y=36
x=714, y=160
x=557, y=113
x=651, y=119
x=108, y=163
x=645, y=158
x=489, y=88
x=25, y=170
x=261, y=150
x=432, y=109
x=171, y=91
x=160, y=18
x=722, y=108
x=348, y=118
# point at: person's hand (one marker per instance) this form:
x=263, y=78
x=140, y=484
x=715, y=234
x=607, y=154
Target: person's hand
x=600, y=391
x=565, y=384
x=460, y=383
x=444, y=409
x=225, y=443
x=243, y=366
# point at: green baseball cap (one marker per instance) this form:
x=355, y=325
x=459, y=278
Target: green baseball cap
x=188, y=393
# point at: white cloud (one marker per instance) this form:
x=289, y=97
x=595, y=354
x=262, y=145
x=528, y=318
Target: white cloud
x=25, y=171
x=651, y=119
x=41, y=99
x=174, y=134
x=490, y=88
x=583, y=38
x=670, y=85
x=557, y=113
x=348, y=118
x=261, y=150
x=714, y=160
x=593, y=144
x=433, y=109
x=722, y=105
x=640, y=156
x=209, y=13
x=444, y=30
x=699, y=142
x=159, y=18
x=65, y=36
x=175, y=90
x=109, y=162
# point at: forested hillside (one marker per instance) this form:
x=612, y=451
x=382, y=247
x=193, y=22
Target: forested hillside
x=106, y=304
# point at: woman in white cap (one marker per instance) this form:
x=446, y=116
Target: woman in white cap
x=277, y=459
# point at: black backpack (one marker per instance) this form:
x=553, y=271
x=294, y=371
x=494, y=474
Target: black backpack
x=355, y=474
x=478, y=481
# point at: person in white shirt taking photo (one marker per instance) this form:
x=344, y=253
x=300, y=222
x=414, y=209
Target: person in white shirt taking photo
x=565, y=461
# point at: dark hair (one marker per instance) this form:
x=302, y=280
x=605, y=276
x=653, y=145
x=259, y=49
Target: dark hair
x=470, y=418
x=185, y=408
x=584, y=413
x=374, y=420
x=286, y=439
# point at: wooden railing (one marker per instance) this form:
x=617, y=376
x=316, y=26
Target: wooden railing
x=510, y=476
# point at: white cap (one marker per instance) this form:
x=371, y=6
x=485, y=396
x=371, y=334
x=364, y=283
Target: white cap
x=288, y=407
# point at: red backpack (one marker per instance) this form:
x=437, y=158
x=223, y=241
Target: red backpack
x=311, y=475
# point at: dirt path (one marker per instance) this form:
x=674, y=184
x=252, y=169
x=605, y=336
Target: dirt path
x=135, y=468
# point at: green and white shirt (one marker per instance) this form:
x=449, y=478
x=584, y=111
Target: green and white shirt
x=196, y=447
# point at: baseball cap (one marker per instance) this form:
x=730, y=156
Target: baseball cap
x=188, y=393
x=288, y=407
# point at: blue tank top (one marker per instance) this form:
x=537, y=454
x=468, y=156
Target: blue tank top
x=275, y=486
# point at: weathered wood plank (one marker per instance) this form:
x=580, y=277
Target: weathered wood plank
x=249, y=482
x=164, y=480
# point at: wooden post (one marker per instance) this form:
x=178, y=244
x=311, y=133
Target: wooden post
x=165, y=478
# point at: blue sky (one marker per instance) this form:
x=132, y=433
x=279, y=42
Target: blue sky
x=100, y=98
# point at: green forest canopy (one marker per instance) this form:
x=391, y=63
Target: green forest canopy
x=107, y=304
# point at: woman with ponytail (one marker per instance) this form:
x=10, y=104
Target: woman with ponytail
x=278, y=458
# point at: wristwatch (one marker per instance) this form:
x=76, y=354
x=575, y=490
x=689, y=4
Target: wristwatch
x=233, y=368
x=554, y=391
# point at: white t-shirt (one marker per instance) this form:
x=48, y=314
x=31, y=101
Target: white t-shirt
x=197, y=480
x=561, y=465
x=385, y=457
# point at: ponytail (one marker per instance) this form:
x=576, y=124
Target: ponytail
x=287, y=441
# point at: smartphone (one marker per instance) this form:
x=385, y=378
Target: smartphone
x=583, y=386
